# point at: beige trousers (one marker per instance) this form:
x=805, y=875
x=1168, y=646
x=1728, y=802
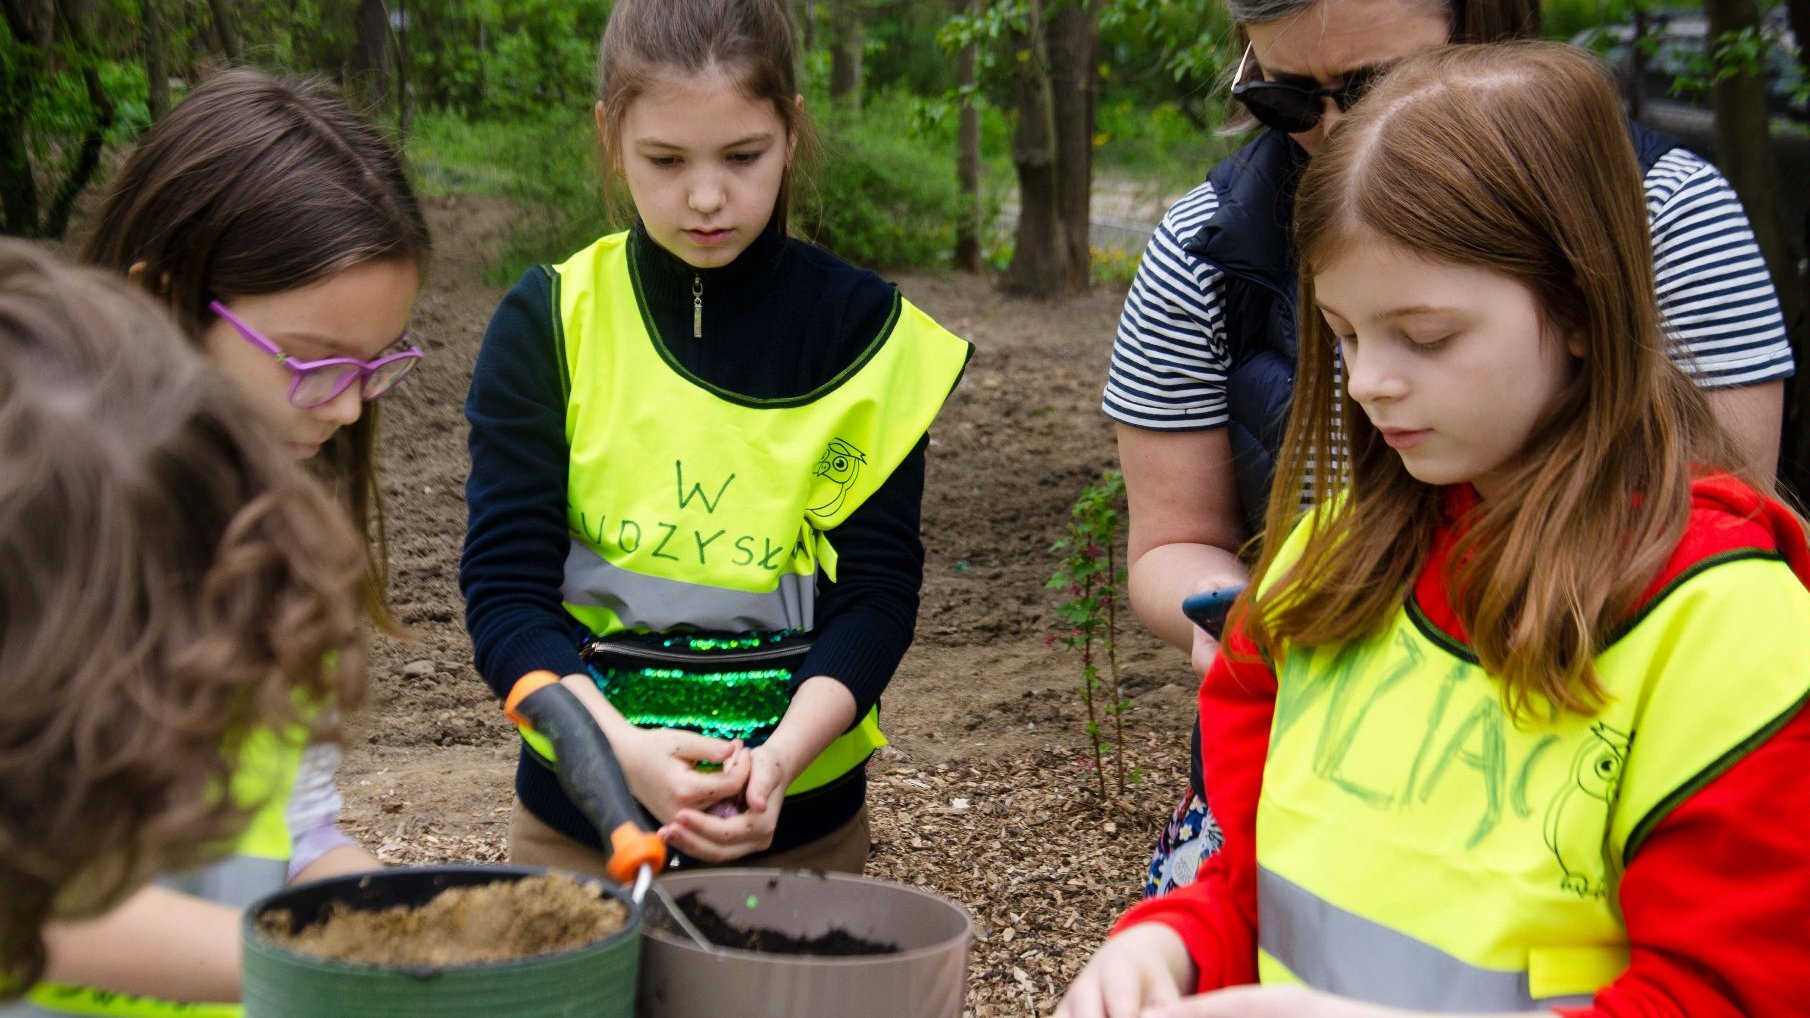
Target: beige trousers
x=532, y=843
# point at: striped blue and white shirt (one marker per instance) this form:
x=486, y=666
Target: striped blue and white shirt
x=1170, y=357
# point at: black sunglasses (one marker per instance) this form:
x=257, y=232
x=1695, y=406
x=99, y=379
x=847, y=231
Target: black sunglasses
x=1293, y=109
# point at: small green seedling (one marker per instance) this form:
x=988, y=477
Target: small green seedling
x=1091, y=575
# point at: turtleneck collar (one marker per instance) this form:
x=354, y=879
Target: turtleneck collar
x=667, y=280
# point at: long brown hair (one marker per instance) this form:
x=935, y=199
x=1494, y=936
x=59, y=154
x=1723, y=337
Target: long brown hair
x=748, y=39
x=169, y=583
x=257, y=185
x=1513, y=158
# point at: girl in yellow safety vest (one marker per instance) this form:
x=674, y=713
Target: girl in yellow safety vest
x=1513, y=722
x=278, y=230
x=697, y=463
x=172, y=590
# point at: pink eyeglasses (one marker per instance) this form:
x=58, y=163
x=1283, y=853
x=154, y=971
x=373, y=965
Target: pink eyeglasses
x=320, y=382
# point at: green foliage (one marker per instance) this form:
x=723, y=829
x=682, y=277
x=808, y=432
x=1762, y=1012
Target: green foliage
x=897, y=44
x=61, y=100
x=1692, y=64
x=1169, y=52
x=507, y=57
x=1164, y=143
x=1564, y=19
x=880, y=196
x=1750, y=52
x=1114, y=266
x=1089, y=572
x=548, y=163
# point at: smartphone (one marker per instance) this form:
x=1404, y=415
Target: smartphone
x=1208, y=608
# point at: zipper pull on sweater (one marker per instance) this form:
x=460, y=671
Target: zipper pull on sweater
x=697, y=307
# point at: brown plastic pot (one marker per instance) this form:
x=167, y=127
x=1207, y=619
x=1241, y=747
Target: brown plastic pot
x=926, y=978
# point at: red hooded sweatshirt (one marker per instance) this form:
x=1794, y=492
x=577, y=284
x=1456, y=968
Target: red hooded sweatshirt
x=1717, y=901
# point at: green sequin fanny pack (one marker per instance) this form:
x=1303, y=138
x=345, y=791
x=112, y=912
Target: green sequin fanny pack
x=726, y=686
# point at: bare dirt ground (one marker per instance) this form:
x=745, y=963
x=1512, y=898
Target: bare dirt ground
x=986, y=793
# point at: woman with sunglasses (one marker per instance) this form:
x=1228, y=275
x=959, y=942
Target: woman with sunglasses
x=281, y=234
x=1203, y=364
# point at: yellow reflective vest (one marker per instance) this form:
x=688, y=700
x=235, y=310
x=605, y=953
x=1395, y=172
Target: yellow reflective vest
x=693, y=508
x=1420, y=848
x=257, y=865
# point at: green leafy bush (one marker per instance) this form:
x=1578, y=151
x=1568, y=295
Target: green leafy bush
x=882, y=195
x=1159, y=143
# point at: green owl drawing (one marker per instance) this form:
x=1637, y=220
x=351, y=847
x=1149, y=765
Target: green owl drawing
x=1595, y=781
x=840, y=465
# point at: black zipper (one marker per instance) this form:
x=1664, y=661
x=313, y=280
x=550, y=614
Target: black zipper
x=697, y=307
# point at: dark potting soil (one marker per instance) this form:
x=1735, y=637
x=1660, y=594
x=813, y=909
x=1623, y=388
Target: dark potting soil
x=501, y=921
x=716, y=928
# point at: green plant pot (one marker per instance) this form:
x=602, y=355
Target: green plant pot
x=594, y=981
x=926, y=978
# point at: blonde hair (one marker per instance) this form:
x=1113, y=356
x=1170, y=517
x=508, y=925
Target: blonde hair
x=1512, y=158
x=169, y=583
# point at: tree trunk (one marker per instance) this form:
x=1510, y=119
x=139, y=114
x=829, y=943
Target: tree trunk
x=88, y=159
x=157, y=70
x=18, y=188
x=1635, y=87
x=1744, y=153
x=1038, y=266
x=371, y=55
x=1073, y=85
x=967, y=160
x=1797, y=15
x=483, y=58
x=30, y=25
x=32, y=21
x=227, y=29
x=846, y=40
x=402, y=68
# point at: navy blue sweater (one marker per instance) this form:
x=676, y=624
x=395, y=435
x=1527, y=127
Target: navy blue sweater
x=781, y=320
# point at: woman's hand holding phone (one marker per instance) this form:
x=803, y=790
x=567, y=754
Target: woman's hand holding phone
x=1207, y=610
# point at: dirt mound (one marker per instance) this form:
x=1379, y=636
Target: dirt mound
x=501, y=921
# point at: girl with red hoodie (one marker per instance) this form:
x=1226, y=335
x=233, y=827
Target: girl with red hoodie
x=1512, y=720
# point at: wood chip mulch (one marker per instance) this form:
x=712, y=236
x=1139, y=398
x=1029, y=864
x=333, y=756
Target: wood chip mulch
x=1026, y=844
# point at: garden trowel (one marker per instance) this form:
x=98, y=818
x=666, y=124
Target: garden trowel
x=592, y=778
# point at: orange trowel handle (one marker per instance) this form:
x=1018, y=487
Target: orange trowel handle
x=588, y=771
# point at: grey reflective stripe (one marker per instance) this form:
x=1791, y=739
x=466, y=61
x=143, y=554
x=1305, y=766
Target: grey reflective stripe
x=236, y=881
x=26, y=1009
x=1344, y=953
x=660, y=604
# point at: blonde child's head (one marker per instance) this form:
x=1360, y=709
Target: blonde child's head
x=699, y=112
x=271, y=196
x=1476, y=263
x=169, y=583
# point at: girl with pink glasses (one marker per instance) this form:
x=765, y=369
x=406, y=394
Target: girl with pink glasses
x=280, y=232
